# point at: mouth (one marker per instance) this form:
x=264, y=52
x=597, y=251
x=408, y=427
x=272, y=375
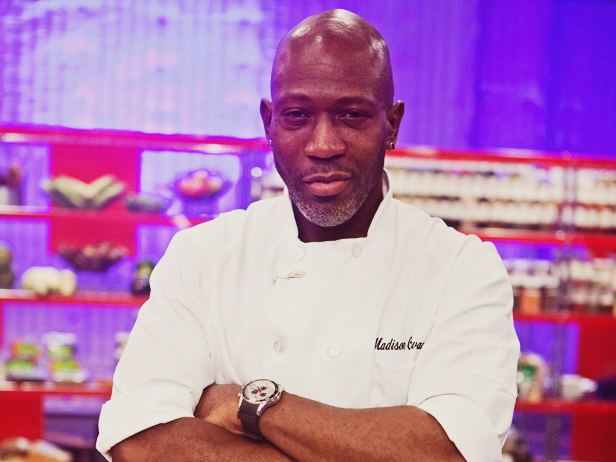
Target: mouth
x=327, y=184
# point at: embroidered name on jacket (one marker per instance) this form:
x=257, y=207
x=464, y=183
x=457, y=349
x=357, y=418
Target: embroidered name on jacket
x=393, y=344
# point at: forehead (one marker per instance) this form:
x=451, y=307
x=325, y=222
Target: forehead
x=326, y=70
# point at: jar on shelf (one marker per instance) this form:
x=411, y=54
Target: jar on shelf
x=579, y=287
x=530, y=298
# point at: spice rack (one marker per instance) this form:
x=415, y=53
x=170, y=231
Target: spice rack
x=553, y=219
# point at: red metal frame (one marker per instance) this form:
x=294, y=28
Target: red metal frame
x=596, y=344
x=593, y=423
x=595, y=241
x=62, y=135
x=22, y=406
x=67, y=217
x=78, y=153
x=568, y=407
x=79, y=298
x=590, y=320
x=516, y=156
x=69, y=136
x=83, y=299
x=44, y=390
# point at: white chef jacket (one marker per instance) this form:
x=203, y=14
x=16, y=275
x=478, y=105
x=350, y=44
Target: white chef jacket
x=415, y=313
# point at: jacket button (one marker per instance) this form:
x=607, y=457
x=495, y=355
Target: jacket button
x=298, y=253
x=334, y=351
x=280, y=345
x=356, y=250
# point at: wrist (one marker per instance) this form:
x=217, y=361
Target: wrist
x=257, y=397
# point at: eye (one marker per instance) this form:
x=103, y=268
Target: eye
x=353, y=118
x=353, y=114
x=295, y=116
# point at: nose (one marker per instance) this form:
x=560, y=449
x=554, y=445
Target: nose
x=324, y=142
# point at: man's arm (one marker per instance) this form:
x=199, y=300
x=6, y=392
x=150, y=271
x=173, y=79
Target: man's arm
x=190, y=439
x=164, y=368
x=462, y=395
x=308, y=430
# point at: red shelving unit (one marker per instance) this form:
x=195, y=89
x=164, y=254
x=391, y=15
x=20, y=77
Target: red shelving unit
x=598, y=242
x=180, y=142
x=68, y=217
x=565, y=317
x=79, y=298
x=592, y=408
x=82, y=299
x=592, y=425
x=22, y=405
x=86, y=155
x=510, y=156
x=592, y=421
x=51, y=389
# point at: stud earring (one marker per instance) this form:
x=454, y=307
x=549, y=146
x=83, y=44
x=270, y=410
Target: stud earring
x=392, y=145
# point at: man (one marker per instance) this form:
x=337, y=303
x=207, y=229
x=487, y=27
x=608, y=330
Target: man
x=391, y=333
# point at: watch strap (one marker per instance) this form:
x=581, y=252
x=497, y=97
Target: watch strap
x=247, y=414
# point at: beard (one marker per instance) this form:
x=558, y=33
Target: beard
x=326, y=214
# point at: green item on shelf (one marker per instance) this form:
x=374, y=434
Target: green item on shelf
x=140, y=284
x=65, y=365
x=29, y=351
x=61, y=350
x=20, y=369
x=69, y=192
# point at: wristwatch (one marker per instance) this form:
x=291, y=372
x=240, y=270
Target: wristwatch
x=255, y=397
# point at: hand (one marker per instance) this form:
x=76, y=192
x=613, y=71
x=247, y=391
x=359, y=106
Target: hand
x=218, y=406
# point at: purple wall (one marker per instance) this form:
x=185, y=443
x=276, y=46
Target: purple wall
x=537, y=74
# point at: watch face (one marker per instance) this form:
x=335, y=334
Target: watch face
x=260, y=390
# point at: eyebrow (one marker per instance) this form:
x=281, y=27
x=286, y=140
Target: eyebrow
x=342, y=101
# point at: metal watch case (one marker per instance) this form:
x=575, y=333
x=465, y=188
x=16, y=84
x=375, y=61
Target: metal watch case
x=262, y=402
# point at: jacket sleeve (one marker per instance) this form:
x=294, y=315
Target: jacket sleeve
x=466, y=375
x=167, y=361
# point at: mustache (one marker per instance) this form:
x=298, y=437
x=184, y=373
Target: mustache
x=323, y=167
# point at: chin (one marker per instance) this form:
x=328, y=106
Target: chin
x=327, y=212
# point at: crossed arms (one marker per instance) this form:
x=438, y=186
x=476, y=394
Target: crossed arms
x=298, y=429
x=463, y=382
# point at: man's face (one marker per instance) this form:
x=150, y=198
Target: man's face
x=328, y=127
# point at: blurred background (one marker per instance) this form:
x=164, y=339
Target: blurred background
x=122, y=122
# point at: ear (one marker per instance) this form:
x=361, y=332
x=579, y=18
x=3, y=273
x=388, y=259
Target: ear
x=266, y=116
x=394, y=118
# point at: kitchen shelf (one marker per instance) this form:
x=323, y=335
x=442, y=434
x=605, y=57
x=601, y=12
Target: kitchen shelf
x=515, y=156
x=595, y=240
x=68, y=217
x=99, y=151
x=79, y=298
x=52, y=389
x=567, y=407
x=568, y=317
x=154, y=141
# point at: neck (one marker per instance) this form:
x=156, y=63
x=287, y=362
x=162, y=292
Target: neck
x=356, y=226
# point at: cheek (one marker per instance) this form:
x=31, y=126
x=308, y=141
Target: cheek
x=283, y=163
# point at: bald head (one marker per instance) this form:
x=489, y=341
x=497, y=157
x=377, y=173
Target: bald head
x=343, y=38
